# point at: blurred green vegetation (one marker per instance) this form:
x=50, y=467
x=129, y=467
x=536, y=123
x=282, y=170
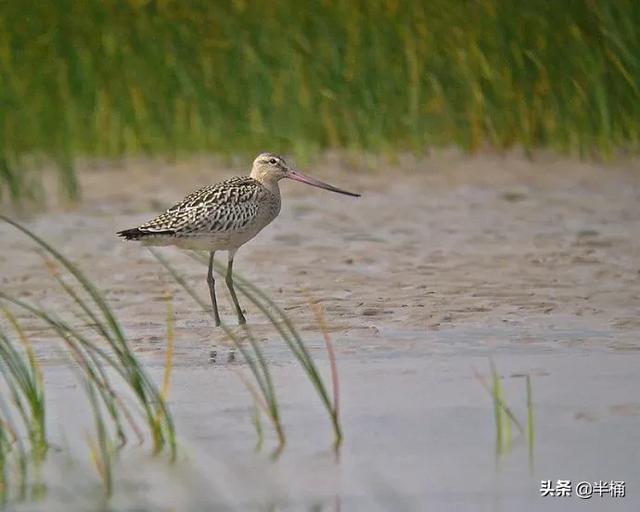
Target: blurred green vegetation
x=103, y=78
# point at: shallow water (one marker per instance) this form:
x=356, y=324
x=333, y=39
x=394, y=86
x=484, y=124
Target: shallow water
x=423, y=281
x=419, y=430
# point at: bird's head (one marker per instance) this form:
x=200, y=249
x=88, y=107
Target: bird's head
x=269, y=168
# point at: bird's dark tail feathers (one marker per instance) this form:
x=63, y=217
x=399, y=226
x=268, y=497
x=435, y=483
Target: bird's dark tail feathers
x=132, y=234
x=137, y=233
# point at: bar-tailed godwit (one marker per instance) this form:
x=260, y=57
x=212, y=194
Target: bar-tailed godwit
x=225, y=216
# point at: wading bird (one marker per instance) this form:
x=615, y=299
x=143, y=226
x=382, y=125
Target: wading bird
x=225, y=216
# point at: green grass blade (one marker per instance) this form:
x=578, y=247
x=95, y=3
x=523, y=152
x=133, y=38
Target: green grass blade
x=259, y=370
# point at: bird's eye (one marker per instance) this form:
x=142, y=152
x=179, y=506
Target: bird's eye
x=273, y=161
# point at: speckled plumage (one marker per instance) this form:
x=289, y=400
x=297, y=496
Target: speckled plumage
x=225, y=216
x=217, y=217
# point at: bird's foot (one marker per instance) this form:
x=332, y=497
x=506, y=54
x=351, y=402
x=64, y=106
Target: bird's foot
x=241, y=319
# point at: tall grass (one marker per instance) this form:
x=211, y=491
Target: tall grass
x=265, y=396
x=334, y=406
x=97, y=358
x=23, y=378
x=14, y=458
x=101, y=448
x=90, y=356
x=24, y=398
x=290, y=335
x=104, y=79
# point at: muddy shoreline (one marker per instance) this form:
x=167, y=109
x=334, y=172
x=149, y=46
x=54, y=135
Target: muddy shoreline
x=482, y=242
x=441, y=265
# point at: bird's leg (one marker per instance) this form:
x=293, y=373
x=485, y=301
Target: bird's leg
x=229, y=281
x=212, y=290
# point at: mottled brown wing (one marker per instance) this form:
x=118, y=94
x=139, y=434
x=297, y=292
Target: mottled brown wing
x=226, y=206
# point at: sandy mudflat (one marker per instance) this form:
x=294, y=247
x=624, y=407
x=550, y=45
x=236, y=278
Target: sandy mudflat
x=441, y=264
x=450, y=242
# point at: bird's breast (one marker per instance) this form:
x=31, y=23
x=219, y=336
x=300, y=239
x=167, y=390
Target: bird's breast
x=269, y=209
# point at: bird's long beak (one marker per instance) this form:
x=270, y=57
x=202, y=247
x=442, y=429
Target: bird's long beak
x=298, y=176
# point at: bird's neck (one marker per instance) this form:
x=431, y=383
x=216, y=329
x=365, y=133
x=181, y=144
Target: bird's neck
x=268, y=182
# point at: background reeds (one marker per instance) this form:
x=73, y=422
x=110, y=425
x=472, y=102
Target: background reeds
x=104, y=79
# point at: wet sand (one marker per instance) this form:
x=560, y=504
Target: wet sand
x=440, y=265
